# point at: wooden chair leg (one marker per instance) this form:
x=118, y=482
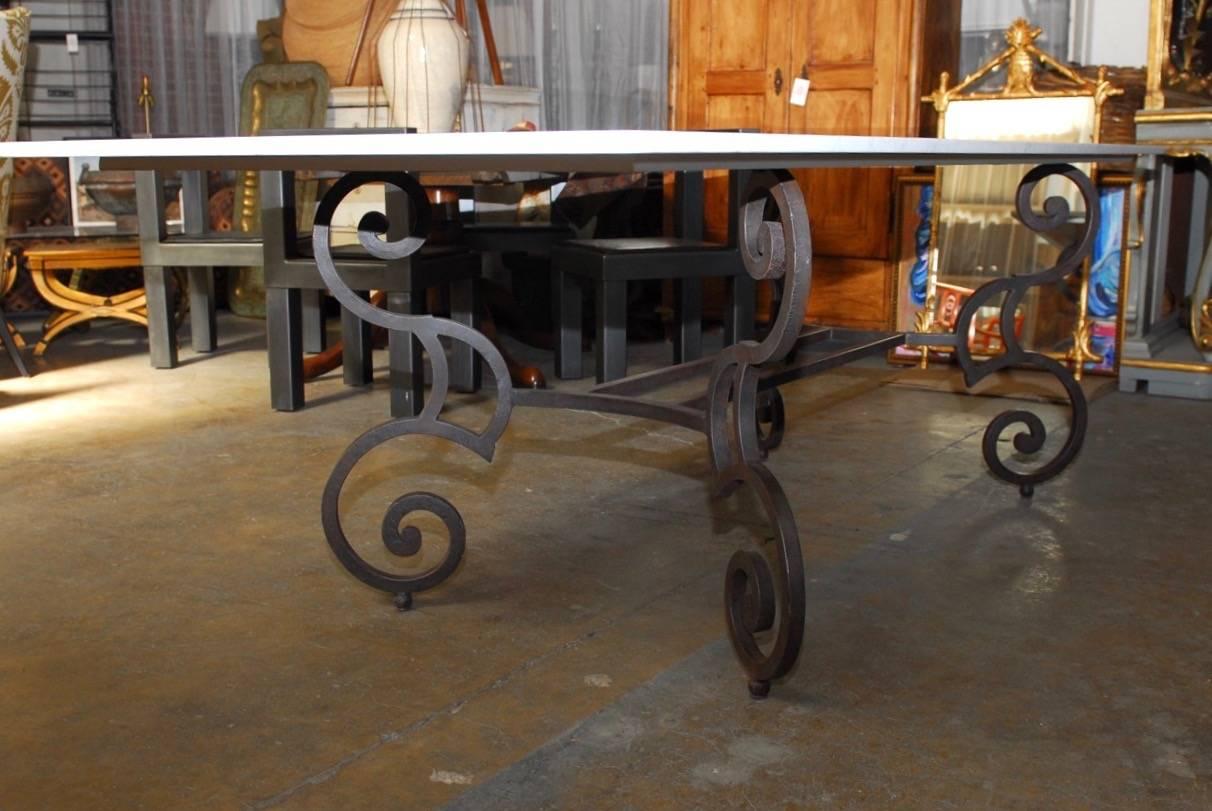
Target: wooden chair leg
x=611, y=344
x=566, y=320
x=687, y=320
x=284, y=329
x=465, y=374
x=8, y=337
x=15, y=334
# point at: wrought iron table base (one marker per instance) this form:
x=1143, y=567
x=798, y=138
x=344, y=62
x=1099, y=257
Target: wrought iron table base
x=741, y=413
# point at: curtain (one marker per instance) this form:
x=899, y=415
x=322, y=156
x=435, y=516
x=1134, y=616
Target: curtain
x=195, y=52
x=601, y=64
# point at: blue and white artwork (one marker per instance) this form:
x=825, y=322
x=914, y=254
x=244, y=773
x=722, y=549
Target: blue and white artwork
x=1106, y=267
x=920, y=273
x=1108, y=256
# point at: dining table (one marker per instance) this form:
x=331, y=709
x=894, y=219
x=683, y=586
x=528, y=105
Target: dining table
x=737, y=408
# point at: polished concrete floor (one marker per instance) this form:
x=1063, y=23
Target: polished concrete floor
x=175, y=633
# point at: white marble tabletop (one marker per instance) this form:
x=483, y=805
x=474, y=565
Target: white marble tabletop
x=562, y=151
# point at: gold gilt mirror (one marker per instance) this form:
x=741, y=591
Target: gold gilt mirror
x=975, y=233
x=1180, y=54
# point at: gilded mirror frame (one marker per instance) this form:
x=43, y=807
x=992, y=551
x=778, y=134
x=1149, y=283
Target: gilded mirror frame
x=1023, y=60
x=1179, y=70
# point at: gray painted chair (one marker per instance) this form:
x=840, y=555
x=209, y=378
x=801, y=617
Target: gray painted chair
x=607, y=265
x=290, y=271
x=291, y=95
x=197, y=250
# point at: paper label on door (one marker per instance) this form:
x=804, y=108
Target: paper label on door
x=799, y=92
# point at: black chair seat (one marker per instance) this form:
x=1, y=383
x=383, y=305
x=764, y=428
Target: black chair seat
x=305, y=247
x=607, y=265
x=213, y=238
x=635, y=245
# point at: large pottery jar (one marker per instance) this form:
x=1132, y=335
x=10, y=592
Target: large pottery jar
x=423, y=59
x=326, y=31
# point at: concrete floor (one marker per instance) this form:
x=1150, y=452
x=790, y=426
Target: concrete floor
x=176, y=633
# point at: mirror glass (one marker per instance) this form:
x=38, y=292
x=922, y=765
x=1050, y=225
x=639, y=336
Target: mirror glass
x=979, y=235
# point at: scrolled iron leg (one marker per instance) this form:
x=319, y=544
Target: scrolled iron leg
x=755, y=597
x=764, y=591
x=402, y=538
x=772, y=412
x=1013, y=290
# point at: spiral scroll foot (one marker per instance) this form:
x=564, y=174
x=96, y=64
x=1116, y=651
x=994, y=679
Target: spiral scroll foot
x=1012, y=291
x=764, y=597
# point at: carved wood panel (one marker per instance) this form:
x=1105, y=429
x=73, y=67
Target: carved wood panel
x=734, y=62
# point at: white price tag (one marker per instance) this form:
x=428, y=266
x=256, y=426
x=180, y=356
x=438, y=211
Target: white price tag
x=799, y=92
x=73, y=43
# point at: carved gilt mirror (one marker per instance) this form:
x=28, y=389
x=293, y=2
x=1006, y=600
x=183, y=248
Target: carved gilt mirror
x=975, y=233
x=1180, y=54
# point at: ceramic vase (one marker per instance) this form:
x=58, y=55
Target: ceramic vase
x=423, y=55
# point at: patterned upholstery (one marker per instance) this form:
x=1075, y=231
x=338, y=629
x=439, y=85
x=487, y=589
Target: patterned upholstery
x=14, y=49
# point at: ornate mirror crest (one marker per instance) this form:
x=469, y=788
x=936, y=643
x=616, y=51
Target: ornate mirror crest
x=1023, y=59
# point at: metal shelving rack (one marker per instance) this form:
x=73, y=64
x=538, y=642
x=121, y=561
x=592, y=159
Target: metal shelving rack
x=71, y=78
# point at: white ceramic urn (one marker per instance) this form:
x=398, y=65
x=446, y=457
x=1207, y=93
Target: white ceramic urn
x=423, y=55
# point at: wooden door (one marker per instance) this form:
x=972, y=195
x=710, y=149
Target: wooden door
x=733, y=49
x=856, y=55
x=867, y=69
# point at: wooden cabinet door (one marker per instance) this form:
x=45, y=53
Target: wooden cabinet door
x=860, y=57
x=848, y=49
x=727, y=53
